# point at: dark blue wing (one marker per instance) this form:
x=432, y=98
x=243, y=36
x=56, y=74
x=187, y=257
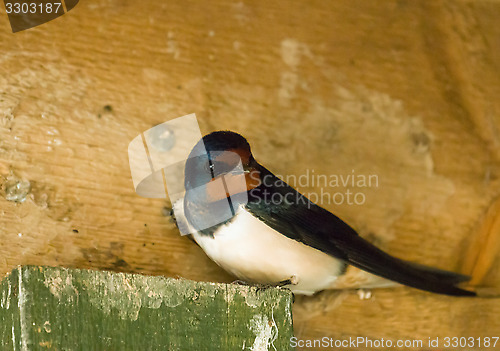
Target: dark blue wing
x=287, y=211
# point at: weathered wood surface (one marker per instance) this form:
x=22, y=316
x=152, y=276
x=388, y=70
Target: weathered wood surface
x=406, y=90
x=70, y=309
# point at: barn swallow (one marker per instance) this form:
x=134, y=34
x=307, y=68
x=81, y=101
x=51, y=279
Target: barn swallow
x=271, y=234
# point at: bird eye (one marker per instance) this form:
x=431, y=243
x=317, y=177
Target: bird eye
x=210, y=167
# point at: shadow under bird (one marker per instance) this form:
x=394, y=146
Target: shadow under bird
x=260, y=229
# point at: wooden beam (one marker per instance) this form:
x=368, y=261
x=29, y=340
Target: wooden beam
x=486, y=246
x=68, y=309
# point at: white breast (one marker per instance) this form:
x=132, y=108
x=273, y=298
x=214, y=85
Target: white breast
x=254, y=252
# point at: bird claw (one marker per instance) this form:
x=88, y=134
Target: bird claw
x=293, y=280
x=240, y=282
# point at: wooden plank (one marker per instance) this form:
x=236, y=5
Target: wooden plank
x=397, y=314
x=406, y=90
x=483, y=252
x=70, y=309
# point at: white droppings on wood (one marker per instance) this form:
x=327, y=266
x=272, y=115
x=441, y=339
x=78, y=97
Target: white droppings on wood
x=120, y=295
x=364, y=294
x=288, y=312
x=264, y=332
x=15, y=188
x=5, y=302
x=60, y=284
x=14, y=344
x=251, y=298
x=47, y=327
x=21, y=304
x=127, y=294
x=291, y=52
x=172, y=46
x=249, y=294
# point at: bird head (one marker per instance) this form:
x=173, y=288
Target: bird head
x=221, y=154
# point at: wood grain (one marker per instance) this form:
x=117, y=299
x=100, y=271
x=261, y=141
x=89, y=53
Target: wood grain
x=71, y=309
x=404, y=90
x=482, y=253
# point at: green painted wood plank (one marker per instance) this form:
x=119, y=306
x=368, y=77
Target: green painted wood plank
x=69, y=309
